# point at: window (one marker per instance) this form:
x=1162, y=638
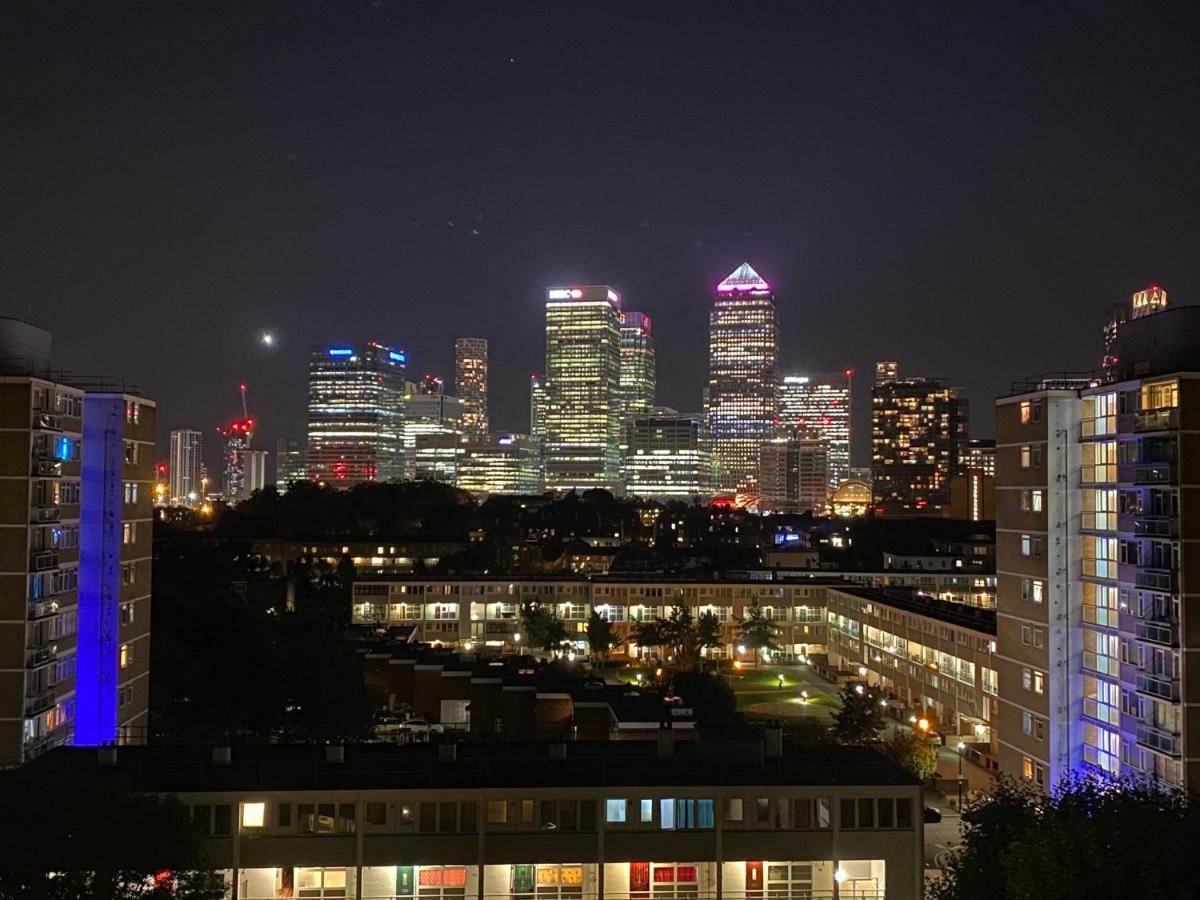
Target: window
x=1039, y=683
x=1027, y=723
x=125, y=655
x=526, y=812
x=1027, y=678
x=685, y=814
x=903, y=812
x=497, y=812
x=202, y=819
x=222, y=819
x=128, y=573
x=131, y=453
x=1031, y=456
x=1027, y=768
x=1031, y=411
x=283, y=815
x=128, y=532
x=131, y=492
x=733, y=809
x=646, y=813
x=1039, y=729
x=253, y=815
x=132, y=412
x=1030, y=545
x=614, y=810
x=375, y=814
x=125, y=612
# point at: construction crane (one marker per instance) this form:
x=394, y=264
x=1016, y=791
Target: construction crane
x=242, y=388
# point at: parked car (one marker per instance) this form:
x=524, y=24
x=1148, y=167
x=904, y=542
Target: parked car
x=420, y=726
x=932, y=815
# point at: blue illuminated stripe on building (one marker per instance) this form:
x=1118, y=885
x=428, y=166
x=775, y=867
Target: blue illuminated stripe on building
x=397, y=357
x=100, y=514
x=341, y=351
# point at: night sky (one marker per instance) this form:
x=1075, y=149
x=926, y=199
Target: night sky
x=961, y=187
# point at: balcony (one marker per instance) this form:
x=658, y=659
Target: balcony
x=40, y=609
x=1164, y=633
x=1165, y=419
x=1154, y=580
x=1155, y=473
x=1156, y=526
x=41, y=560
x=39, y=703
x=1158, y=686
x=45, y=512
x=41, y=656
x=46, y=468
x=44, y=421
x=1161, y=741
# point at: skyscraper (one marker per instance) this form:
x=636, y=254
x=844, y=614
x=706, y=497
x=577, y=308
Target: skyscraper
x=355, y=413
x=503, y=464
x=185, y=469
x=1096, y=557
x=254, y=472
x=667, y=456
x=537, y=407
x=235, y=441
x=793, y=475
x=471, y=384
x=430, y=412
x=742, y=401
x=289, y=461
x=819, y=405
x=583, y=414
x=918, y=437
x=637, y=365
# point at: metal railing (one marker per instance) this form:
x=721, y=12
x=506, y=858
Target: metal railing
x=1158, y=633
x=1159, y=740
x=1157, y=686
x=1164, y=419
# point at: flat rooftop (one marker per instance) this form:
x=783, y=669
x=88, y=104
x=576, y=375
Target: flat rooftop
x=977, y=618
x=500, y=765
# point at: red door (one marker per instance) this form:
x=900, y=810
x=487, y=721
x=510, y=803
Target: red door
x=639, y=881
x=754, y=880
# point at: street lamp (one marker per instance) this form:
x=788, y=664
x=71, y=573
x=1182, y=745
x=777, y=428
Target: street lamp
x=923, y=724
x=961, y=747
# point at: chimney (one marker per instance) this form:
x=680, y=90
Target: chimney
x=558, y=751
x=107, y=755
x=447, y=752
x=335, y=754
x=773, y=741
x=666, y=742
x=222, y=756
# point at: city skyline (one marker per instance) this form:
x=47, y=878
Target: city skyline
x=961, y=191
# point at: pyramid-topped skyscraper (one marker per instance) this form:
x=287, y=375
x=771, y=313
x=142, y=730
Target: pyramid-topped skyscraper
x=742, y=400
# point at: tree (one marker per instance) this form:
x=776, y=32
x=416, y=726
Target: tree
x=709, y=697
x=861, y=717
x=71, y=834
x=1090, y=837
x=758, y=632
x=913, y=751
x=600, y=635
x=708, y=631
x=541, y=627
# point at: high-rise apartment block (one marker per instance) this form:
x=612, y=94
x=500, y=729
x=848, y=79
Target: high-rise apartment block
x=973, y=489
x=355, y=414
x=235, y=441
x=793, y=475
x=819, y=406
x=918, y=437
x=1096, y=495
x=583, y=408
x=471, y=384
x=667, y=456
x=637, y=382
x=1147, y=301
x=742, y=394
x=76, y=476
x=185, y=469
x=254, y=472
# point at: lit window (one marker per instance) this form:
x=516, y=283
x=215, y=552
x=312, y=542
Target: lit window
x=614, y=810
x=497, y=812
x=646, y=812
x=1039, y=683
x=125, y=656
x=253, y=815
x=1027, y=768
x=733, y=809
x=131, y=492
x=128, y=532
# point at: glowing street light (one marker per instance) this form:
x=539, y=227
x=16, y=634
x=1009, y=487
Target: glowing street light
x=923, y=724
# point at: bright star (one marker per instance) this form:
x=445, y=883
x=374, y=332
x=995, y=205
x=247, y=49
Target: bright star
x=267, y=339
